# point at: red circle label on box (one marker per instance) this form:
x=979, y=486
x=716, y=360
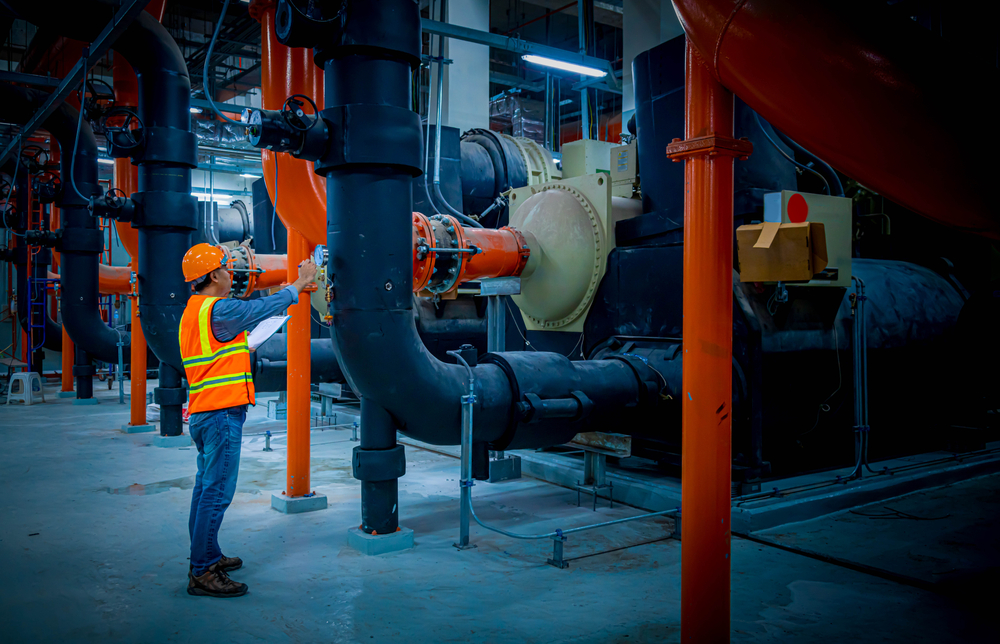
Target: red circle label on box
x=798, y=209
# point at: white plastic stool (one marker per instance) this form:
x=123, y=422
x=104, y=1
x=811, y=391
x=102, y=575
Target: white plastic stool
x=26, y=387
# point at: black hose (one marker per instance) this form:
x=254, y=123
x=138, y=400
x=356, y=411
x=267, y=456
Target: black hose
x=827, y=170
x=468, y=221
x=208, y=59
x=791, y=160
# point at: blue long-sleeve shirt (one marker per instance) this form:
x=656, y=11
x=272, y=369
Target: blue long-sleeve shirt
x=231, y=317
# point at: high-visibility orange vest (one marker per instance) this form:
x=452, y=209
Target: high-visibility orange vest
x=218, y=373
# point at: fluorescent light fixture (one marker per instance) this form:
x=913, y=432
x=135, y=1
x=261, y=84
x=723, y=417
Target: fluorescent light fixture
x=196, y=110
x=221, y=199
x=107, y=161
x=247, y=175
x=563, y=65
x=565, y=101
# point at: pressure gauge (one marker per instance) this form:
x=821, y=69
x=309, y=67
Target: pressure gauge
x=319, y=255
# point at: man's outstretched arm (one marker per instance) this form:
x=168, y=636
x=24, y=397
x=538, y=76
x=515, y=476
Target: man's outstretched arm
x=231, y=317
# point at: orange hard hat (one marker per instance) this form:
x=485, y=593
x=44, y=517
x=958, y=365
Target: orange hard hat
x=201, y=260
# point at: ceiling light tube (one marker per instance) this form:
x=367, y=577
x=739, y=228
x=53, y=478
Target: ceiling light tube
x=107, y=161
x=563, y=65
x=247, y=175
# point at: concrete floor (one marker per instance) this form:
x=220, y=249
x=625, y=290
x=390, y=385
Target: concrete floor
x=94, y=545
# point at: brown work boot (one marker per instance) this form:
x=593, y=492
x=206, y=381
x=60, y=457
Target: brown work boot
x=215, y=583
x=226, y=564
x=229, y=564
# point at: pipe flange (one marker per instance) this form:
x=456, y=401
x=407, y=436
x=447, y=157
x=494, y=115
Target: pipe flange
x=423, y=259
x=599, y=258
x=242, y=265
x=447, y=233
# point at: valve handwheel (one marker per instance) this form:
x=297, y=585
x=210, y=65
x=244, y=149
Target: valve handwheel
x=128, y=139
x=113, y=200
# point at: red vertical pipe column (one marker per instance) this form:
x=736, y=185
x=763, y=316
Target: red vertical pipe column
x=300, y=203
x=706, y=458
x=299, y=372
x=126, y=178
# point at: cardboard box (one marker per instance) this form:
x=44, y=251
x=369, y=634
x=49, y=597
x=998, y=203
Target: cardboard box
x=773, y=252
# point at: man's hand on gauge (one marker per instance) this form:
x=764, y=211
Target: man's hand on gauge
x=307, y=275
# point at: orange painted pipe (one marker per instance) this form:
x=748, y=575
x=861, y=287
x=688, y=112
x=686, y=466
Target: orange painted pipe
x=299, y=373
x=706, y=404
x=301, y=193
x=137, y=404
x=499, y=252
x=275, y=271
x=300, y=202
x=879, y=98
x=114, y=280
x=502, y=253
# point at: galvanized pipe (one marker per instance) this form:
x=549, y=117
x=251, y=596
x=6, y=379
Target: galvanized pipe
x=466, y=481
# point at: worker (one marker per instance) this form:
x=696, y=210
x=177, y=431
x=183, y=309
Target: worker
x=216, y=357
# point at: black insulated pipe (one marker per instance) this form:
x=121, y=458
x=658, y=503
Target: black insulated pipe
x=491, y=165
x=374, y=153
x=165, y=211
x=270, y=363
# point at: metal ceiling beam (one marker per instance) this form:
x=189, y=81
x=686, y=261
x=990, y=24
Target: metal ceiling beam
x=513, y=81
x=601, y=84
x=519, y=46
x=123, y=18
x=33, y=80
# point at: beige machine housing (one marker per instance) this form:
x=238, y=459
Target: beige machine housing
x=624, y=170
x=537, y=160
x=569, y=226
x=586, y=156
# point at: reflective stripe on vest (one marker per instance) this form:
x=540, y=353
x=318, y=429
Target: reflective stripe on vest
x=218, y=373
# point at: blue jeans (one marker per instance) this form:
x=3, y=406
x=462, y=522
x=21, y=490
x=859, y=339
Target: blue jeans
x=218, y=436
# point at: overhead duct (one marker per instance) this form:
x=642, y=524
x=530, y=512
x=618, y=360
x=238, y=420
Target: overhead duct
x=209, y=131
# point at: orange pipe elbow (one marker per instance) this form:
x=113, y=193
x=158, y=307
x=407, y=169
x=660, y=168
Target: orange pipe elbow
x=114, y=279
